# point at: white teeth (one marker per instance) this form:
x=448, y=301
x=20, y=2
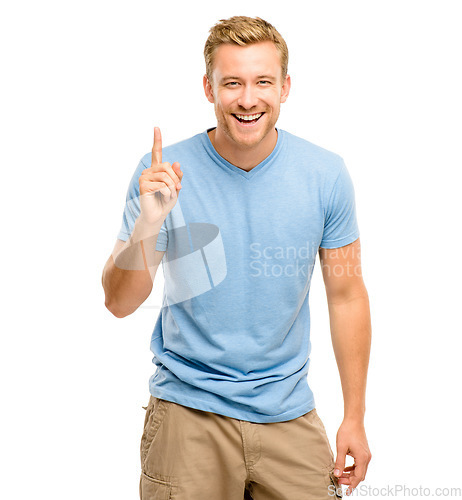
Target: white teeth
x=248, y=118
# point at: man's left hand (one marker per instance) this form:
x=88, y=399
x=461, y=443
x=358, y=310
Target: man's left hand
x=351, y=440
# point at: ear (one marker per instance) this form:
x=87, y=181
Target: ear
x=208, y=89
x=285, y=89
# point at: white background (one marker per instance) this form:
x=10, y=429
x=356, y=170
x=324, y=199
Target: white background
x=83, y=85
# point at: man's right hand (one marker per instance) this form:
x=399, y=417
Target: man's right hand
x=159, y=185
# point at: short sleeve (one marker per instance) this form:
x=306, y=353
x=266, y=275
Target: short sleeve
x=340, y=224
x=132, y=211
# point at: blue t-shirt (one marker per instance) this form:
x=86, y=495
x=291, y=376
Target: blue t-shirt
x=233, y=334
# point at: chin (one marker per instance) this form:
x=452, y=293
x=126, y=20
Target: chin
x=245, y=141
x=250, y=138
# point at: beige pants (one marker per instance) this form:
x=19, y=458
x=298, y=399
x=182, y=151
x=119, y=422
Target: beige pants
x=188, y=454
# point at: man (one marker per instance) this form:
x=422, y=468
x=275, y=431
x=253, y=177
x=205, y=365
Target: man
x=230, y=413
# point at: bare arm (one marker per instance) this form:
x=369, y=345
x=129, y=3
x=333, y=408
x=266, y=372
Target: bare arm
x=129, y=273
x=350, y=326
x=350, y=322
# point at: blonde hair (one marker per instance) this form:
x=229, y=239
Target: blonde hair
x=242, y=30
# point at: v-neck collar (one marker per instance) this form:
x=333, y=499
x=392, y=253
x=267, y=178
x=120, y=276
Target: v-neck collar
x=232, y=168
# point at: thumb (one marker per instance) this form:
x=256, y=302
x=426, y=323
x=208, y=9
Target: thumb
x=340, y=462
x=177, y=169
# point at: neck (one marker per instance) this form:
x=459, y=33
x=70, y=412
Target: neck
x=241, y=156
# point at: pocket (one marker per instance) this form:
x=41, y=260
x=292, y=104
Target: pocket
x=319, y=421
x=155, y=412
x=154, y=489
x=311, y=415
x=326, y=451
x=334, y=489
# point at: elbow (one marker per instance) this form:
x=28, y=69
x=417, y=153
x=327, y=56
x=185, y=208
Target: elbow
x=347, y=296
x=116, y=311
x=112, y=305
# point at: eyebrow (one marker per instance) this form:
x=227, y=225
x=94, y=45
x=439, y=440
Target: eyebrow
x=259, y=77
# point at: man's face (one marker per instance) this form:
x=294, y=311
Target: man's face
x=247, y=91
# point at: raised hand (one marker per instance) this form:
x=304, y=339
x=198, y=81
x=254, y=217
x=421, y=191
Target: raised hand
x=159, y=185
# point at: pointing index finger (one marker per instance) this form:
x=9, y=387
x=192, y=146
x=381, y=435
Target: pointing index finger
x=156, y=157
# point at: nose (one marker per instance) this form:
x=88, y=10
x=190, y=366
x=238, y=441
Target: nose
x=248, y=97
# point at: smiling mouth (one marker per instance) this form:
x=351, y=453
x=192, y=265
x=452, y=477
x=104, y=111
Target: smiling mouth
x=248, y=119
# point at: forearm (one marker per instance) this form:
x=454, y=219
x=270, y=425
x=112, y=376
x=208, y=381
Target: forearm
x=350, y=326
x=129, y=273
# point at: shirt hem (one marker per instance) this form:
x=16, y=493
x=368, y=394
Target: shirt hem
x=340, y=242
x=160, y=247
x=239, y=415
x=123, y=236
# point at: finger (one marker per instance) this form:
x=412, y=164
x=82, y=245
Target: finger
x=172, y=173
x=177, y=168
x=167, y=176
x=167, y=180
x=161, y=169
x=349, y=490
x=368, y=461
x=168, y=195
x=340, y=462
x=151, y=186
x=352, y=482
x=349, y=468
x=156, y=157
x=165, y=191
x=178, y=173
x=360, y=472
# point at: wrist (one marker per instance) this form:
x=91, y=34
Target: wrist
x=354, y=416
x=145, y=221
x=144, y=229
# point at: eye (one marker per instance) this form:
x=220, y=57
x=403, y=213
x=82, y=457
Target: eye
x=232, y=84
x=265, y=82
